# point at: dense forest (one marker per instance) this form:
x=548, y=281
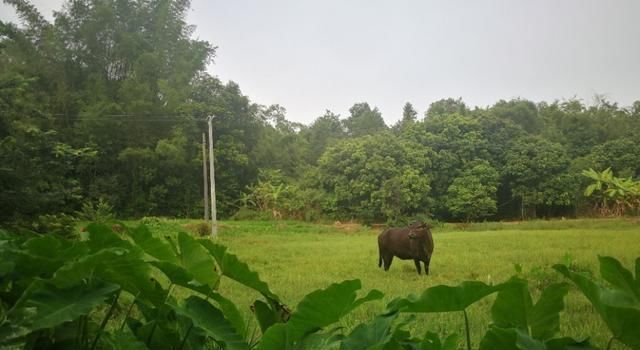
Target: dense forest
x=107, y=103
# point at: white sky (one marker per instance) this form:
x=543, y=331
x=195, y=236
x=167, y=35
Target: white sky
x=309, y=56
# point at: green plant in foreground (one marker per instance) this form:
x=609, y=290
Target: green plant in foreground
x=139, y=290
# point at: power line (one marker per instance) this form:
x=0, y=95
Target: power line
x=127, y=117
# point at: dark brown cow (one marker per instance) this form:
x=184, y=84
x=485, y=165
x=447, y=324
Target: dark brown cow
x=409, y=243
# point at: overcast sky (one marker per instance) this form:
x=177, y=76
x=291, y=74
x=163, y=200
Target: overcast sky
x=309, y=56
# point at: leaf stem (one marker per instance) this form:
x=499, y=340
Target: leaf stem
x=466, y=326
x=186, y=336
x=129, y=311
x=105, y=320
x=155, y=324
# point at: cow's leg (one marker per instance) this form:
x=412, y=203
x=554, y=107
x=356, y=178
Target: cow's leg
x=426, y=264
x=417, y=262
x=387, y=261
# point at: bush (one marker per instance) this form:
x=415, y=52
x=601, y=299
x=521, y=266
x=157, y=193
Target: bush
x=200, y=228
x=61, y=224
x=101, y=211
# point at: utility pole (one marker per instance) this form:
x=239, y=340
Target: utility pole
x=214, y=221
x=204, y=176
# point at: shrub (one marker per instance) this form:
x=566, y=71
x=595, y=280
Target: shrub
x=100, y=211
x=61, y=224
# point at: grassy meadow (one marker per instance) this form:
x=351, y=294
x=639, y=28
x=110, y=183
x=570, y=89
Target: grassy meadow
x=296, y=258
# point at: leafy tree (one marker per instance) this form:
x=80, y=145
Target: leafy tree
x=457, y=142
x=409, y=115
x=363, y=120
x=621, y=155
x=472, y=195
x=532, y=170
x=377, y=177
x=521, y=112
x=325, y=130
x=445, y=107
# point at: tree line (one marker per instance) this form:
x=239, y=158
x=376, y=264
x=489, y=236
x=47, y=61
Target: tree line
x=107, y=102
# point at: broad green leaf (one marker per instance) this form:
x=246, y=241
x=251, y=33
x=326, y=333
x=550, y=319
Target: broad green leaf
x=265, y=315
x=445, y=298
x=512, y=305
x=374, y=335
x=638, y=273
x=54, y=306
x=115, y=265
x=324, y=307
x=568, y=344
x=180, y=276
x=613, y=272
x=509, y=338
x=122, y=340
x=432, y=341
x=545, y=315
x=153, y=246
x=164, y=338
x=101, y=236
x=622, y=321
x=230, y=311
x=211, y=320
x=499, y=338
x=75, y=271
x=42, y=256
x=316, y=310
x=195, y=259
x=232, y=267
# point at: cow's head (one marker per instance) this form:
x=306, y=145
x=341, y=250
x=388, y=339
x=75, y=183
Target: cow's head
x=419, y=229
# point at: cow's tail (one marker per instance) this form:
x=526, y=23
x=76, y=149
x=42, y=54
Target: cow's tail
x=379, y=259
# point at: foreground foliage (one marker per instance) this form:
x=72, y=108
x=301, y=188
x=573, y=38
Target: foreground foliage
x=139, y=290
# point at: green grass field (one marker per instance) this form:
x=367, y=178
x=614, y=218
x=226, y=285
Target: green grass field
x=296, y=258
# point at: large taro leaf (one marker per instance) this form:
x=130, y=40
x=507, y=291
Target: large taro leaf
x=509, y=338
x=432, y=341
x=211, y=321
x=445, y=298
x=544, y=320
x=620, y=278
x=265, y=315
x=116, y=265
x=43, y=305
x=516, y=339
x=180, y=276
x=155, y=247
x=102, y=236
x=316, y=310
x=513, y=305
x=197, y=260
x=373, y=335
x=615, y=306
x=122, y=340
x=230, y=311
x=568, y=344
x=42, y=256
x=514, y=308
x=232, y=267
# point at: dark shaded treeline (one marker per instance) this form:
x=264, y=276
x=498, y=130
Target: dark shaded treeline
x=108, y=102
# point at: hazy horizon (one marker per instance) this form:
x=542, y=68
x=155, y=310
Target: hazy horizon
x=309, y=57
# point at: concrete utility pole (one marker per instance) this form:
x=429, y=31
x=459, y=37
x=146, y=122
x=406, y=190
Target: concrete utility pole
x=214, y=221
x=204, y=176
